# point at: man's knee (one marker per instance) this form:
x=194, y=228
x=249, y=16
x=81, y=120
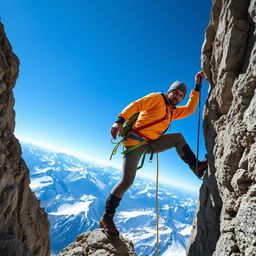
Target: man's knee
x=180, y=137
x=120, y=188
x=127, y=183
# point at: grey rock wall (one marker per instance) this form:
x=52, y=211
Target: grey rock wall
x=24, y=228
x=225, y=223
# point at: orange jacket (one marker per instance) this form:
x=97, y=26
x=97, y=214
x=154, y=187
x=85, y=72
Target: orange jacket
x=153, y=107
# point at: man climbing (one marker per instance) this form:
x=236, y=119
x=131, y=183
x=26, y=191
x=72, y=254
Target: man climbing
x=156, y=111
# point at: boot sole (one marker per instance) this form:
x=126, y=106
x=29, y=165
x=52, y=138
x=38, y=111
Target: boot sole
x=202, y=175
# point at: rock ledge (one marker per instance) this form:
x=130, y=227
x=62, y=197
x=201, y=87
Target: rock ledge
x=96, y=243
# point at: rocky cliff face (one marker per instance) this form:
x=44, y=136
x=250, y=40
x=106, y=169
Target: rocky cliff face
x=226, y=220
x=96, y=243
x=23, y=224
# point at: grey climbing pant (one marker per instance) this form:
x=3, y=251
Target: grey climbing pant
x=131, y=160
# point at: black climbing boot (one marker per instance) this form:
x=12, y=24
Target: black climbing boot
x=190, y=158
x=106, y=222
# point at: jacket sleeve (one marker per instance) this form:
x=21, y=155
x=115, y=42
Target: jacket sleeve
x=189, y=108
x=142, y=104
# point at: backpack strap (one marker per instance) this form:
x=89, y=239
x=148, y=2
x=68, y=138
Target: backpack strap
x=167, y=104
x=137, y=130
x=137, y=135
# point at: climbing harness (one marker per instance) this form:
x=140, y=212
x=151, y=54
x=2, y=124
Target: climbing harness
x=126, y=128
x=157, y=214
x=135, y=133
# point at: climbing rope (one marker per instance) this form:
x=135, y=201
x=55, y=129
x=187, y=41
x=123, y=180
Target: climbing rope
x=157, y=216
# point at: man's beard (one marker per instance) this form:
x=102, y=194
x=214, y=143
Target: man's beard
x=174, y=102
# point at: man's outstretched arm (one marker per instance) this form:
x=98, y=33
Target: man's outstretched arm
x=189, y=108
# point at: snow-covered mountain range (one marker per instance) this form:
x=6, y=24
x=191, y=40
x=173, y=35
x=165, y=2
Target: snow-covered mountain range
x=73, y=193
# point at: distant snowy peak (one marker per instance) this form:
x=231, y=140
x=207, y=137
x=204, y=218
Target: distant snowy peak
x=82, y=205
x=41, y=182
x=77, y=174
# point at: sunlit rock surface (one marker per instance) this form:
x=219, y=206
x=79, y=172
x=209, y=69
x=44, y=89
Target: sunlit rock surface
x=226, y=218
x=24, y=228
x=97, y=243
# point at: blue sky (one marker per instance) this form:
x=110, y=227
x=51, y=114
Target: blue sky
x=82, y=62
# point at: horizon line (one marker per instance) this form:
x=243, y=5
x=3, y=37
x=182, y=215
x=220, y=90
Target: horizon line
x=100, y=162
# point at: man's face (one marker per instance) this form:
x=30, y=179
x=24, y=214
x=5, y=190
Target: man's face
x=175, y=97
